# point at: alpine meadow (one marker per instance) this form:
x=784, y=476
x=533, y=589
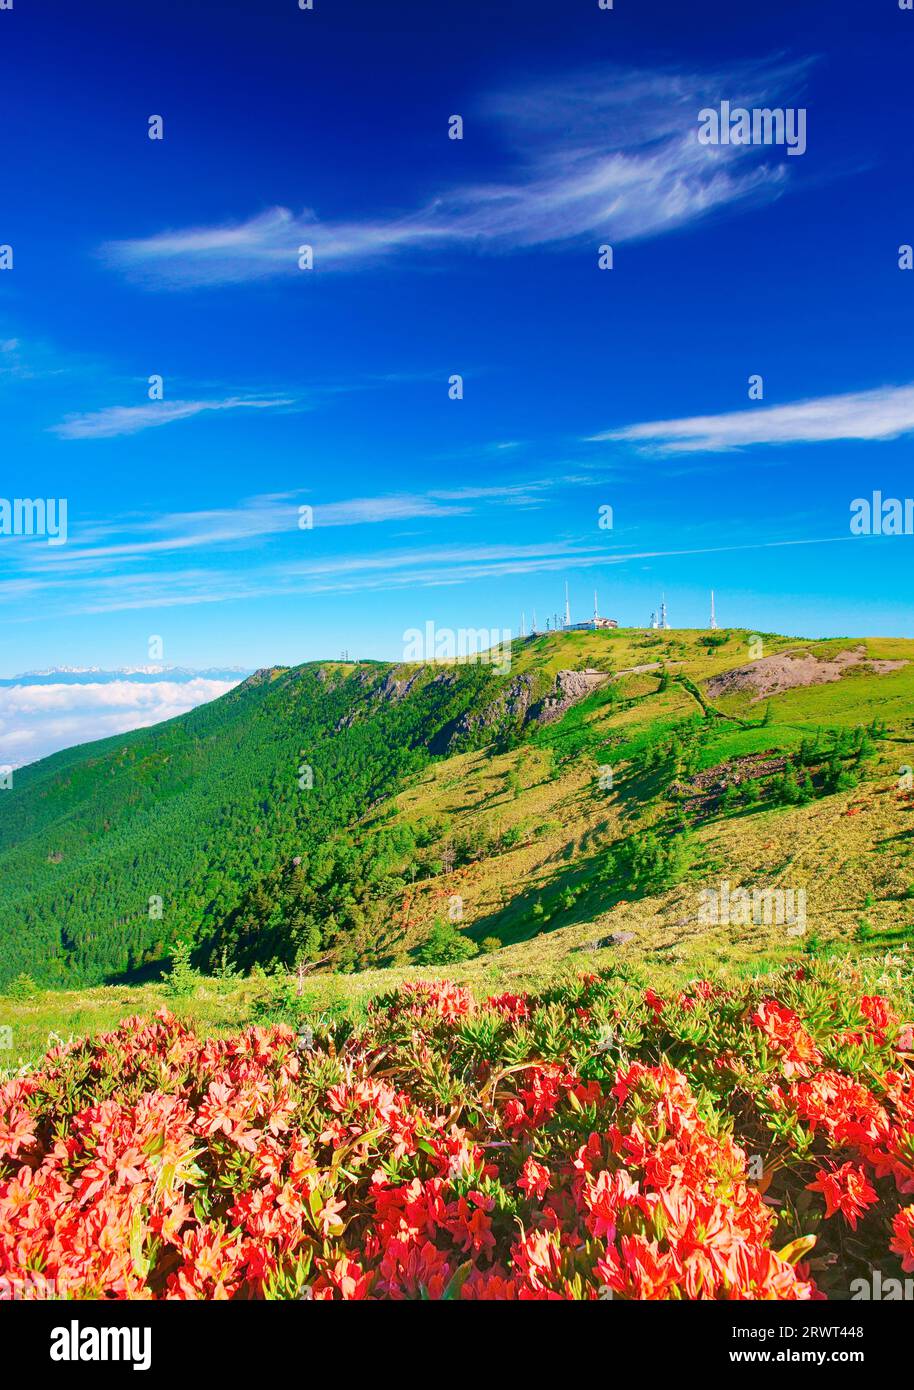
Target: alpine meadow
x=457, y=690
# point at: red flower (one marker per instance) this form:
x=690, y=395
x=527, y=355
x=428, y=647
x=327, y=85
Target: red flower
x=903, y=1244
x=534, y=1179
x=845, y=1189
x=787, y=1037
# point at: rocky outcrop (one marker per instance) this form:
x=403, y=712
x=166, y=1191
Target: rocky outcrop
x=394, y=689
x=615, y=938
x=519, y=702
x=771, y=675
x=569, y=688
x=510, y=708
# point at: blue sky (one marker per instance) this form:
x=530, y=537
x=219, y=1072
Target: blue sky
x=329, y=387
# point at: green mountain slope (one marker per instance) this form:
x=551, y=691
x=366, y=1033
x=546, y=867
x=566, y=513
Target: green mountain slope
x=191, y=811
x=596, y=785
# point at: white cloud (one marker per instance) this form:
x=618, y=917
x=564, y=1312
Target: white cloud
x=36, y=720
x=611, y=153
x=271, y=515
x=385, y=570
x=130, y=419
x=884, y=413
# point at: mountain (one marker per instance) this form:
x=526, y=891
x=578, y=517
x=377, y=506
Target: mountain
x=97, y=675
x=346, y=813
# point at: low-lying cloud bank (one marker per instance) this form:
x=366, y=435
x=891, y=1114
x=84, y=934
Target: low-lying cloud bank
x=39, y=719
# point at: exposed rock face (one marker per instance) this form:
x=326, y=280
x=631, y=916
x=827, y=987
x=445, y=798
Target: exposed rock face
x=569, y=688
x=394, y=689
x=511, y=707
x=787, y=670
x=261, y=677
x=517, y=704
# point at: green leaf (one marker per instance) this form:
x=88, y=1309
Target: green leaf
x=458, y=1279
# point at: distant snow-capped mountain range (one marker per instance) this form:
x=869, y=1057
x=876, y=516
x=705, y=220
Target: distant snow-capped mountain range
x=97, y=675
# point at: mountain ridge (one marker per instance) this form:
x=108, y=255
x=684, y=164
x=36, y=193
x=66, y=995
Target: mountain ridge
x=113, y=851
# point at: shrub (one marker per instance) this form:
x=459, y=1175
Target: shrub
x=787, y=789
x=510, y=836
x=182, y=978
x=446, y=945
x=598, y=1137
x=648, y=863
x=23, y=987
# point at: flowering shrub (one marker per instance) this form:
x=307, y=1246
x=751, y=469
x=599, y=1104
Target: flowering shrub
x=596, y=1141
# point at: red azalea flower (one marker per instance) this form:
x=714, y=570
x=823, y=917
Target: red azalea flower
x=903, y=1244
x=845, y=1189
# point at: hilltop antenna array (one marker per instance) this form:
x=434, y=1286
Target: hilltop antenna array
x=591, y=624
x=713, y=619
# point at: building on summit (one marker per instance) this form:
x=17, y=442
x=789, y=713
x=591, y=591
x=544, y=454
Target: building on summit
x=592, y=623
x=566, y=625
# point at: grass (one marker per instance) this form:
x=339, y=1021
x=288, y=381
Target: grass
x=852, y=852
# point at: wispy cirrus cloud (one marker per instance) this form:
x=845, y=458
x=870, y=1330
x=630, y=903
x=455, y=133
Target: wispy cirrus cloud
x=389, y=570
x=111, y=544
x=884, y=413
x=611, y=152
x=116, y=420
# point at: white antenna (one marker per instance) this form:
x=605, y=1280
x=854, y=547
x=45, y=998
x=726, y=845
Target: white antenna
x=713, y=619
x=596, y=609
x=533, y=628
x=654, y=619
x=523, y=624
x=663, y=619
x=567, y=607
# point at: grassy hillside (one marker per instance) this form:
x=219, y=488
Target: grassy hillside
x=594, y=790
x=536, y=824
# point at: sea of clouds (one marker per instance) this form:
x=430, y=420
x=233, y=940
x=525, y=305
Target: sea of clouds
x=44, y=714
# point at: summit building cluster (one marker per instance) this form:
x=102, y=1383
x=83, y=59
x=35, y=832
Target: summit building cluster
x=659, y=619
